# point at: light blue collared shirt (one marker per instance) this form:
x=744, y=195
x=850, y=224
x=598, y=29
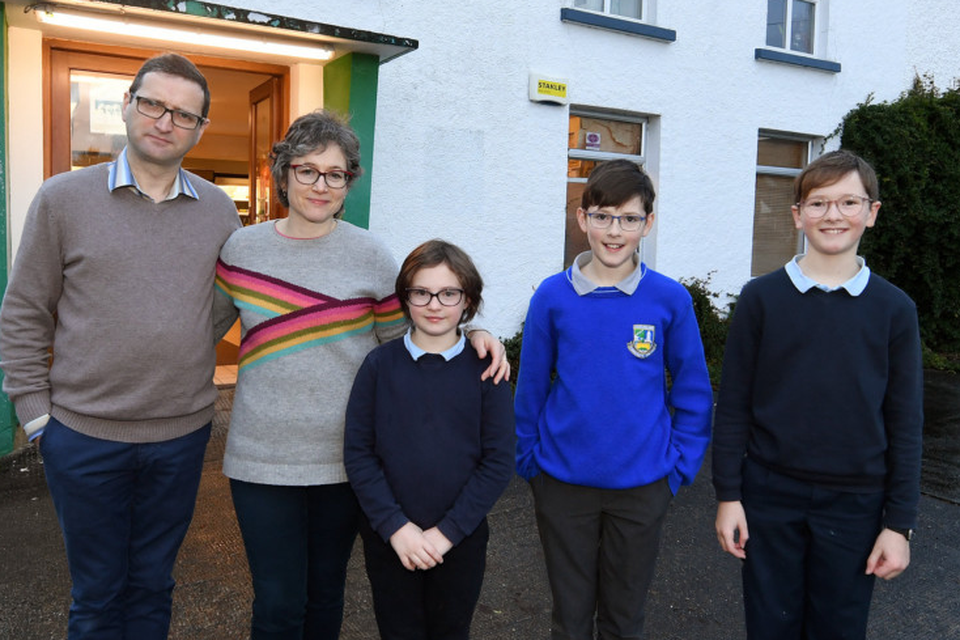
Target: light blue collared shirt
x=584, y=285
x=854, y=285
x=448, y=355
x=122, y=176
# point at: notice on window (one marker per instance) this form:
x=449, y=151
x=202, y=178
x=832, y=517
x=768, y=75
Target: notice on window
x=106, y=101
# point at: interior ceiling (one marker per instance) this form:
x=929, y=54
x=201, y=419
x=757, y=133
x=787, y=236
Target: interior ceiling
x=229, y=97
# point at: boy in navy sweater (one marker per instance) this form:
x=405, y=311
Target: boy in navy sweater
x=603, y=438
x=816, y=457
x=427, y=450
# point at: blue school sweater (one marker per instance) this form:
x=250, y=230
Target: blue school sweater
x=608, y=419
x=824, y=387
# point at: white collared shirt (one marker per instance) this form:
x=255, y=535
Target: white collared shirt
x=448, y=355
x=803, y=283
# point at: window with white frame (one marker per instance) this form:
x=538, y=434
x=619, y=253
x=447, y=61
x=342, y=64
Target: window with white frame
x=625, y=8
x=594, y=137
x=791, y=24
x=780, y=158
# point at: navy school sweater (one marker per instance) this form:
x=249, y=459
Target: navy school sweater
x=826, y=388
x=427, y=441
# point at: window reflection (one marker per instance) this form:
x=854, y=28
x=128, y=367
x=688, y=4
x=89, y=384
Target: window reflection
x=97, y=132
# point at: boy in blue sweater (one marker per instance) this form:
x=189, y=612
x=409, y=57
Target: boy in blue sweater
x=427, y=450
x=816, y=458
x=603, y=438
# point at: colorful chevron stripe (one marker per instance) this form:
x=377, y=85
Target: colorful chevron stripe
x=298, y=318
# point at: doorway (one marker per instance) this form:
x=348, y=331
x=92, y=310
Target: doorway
x=248, y=113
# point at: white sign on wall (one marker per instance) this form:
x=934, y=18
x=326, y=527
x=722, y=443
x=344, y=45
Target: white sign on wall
x=548, y=89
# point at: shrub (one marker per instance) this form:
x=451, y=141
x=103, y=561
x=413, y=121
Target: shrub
x=713, y=320
x=914, y=144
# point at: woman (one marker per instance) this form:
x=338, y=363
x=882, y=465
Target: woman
x=314, y=295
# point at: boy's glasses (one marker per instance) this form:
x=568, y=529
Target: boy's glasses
x=849, y=206
x=154, y=110
x=446, y=297
x=629, y=222
x=305, y=174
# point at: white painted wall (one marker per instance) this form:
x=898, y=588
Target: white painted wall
x=25, y=141
x=461, y=152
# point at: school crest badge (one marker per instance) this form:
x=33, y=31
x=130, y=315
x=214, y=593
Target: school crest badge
x=644, y=340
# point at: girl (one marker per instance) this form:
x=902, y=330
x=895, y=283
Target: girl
x=428, y=450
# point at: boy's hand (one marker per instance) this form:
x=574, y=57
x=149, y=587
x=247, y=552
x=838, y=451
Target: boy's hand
x=413, y=549
x=890, y=556
x=439, y=541
x=484, y=343
x=732, y=528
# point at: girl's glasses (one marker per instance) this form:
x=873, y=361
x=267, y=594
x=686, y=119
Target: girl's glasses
x=446, y=297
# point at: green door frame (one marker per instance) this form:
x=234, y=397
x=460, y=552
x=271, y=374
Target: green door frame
x=8, y=419
x=350, y=87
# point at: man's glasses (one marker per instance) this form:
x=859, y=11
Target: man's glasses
x=305, y=174
x=849, y=206
x=155, y=110
x=628, y=222
x=446, y=297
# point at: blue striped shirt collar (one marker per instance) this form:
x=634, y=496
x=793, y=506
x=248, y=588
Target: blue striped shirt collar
x=448, y=355
x=122, y=176
x=854, y=285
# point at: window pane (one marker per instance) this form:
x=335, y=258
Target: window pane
x=627, y=8
x=592, y=134
x=775, y=239
x=801, y=28
x=97, y=132
x=263, y=209
x=579, y=168
x=593, y=5
x=778, y=152
x=597, y=134
x=576, y=240
x=776, y=23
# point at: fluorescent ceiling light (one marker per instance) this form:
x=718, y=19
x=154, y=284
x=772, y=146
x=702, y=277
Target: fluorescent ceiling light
x=181, y=35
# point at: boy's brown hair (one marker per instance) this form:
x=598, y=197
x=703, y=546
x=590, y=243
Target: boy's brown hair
x=831, y=168
x=614, y=182
x=435, y=252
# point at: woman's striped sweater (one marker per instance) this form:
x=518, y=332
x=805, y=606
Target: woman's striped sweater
x=310, y=311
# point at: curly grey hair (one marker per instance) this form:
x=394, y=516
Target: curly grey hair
x=314, y=131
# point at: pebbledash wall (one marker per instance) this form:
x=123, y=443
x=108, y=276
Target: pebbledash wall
x=463, y=154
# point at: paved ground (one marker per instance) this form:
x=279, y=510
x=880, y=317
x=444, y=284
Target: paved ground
x=695, y=595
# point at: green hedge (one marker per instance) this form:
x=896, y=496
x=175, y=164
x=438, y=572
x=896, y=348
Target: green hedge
x=914, y=144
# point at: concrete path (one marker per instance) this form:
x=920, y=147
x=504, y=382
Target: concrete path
x=695, y=596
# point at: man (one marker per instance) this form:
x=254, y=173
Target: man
x=115, y=275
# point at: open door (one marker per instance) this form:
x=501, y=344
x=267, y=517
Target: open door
x=265, y=129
